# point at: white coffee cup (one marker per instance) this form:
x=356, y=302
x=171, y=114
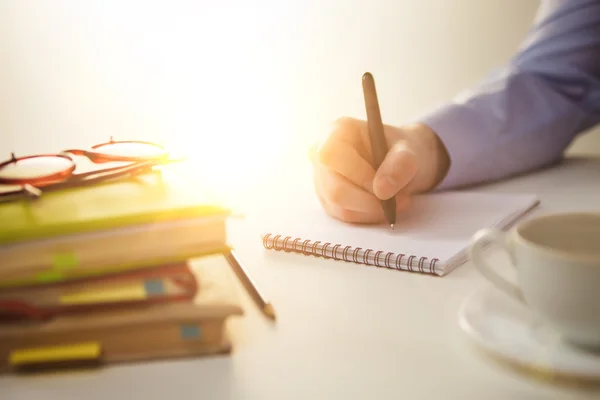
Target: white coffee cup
x=557, y=258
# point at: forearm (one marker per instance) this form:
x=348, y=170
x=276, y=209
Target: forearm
x=526, y=118
x=525, y=125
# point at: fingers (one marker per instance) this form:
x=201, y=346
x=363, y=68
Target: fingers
x=371, y=216
x=348, y=215
x=352, y=131
x=336, y=189
x=398, y=168
x=344, y=159
x=348, y=186
x=346, y=153
x=347, y=202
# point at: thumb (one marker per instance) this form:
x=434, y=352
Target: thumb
x=397, y=170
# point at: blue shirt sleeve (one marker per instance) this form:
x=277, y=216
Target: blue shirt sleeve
x=525, y=116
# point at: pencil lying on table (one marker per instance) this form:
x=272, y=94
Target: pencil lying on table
x=250, y=286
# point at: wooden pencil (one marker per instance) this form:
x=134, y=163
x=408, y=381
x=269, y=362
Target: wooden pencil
x=265, y=306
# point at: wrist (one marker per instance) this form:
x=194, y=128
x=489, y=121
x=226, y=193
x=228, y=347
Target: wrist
x=433, y=156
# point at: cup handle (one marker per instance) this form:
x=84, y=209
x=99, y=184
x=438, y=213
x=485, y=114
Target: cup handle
x=494, y=236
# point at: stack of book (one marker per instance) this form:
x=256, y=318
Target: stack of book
x=128, y=270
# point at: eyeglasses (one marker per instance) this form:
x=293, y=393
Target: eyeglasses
x=39, y=173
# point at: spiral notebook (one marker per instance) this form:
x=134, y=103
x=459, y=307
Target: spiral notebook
x=430, y=237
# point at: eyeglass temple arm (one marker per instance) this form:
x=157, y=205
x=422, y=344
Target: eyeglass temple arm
x=32, y=190
x=75, y=152
x=116, y=170
x=102, y=176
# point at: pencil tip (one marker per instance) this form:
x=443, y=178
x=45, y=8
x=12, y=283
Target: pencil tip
x=392, y=226
x=269, y=310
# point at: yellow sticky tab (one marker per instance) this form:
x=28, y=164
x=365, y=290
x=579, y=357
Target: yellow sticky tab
x=131, y=292
x=72, y=352
x=65, y=260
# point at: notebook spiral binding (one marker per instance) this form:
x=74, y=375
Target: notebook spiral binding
x=358, y=255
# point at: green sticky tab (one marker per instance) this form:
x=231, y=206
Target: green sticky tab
x=49, y=276
x=65, y=260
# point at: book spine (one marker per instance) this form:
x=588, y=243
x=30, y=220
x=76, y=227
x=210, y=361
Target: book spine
x=357, y=255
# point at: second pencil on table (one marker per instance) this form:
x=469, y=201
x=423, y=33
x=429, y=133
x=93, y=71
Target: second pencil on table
x=261, y=302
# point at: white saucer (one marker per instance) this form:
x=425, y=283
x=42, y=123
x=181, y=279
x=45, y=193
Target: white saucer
x=508, y=330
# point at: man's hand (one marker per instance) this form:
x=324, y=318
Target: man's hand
x=351, y=190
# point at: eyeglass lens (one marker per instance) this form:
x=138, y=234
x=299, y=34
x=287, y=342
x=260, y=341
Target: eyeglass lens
x=35, y=167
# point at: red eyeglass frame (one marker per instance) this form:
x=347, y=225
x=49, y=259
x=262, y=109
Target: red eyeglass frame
x=66, y=178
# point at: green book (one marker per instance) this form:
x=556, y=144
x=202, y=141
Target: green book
x=136, y=223
x=146, y=199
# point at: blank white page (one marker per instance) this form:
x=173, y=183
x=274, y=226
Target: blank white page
x=438, y=225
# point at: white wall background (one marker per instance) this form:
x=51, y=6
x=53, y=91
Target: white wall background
x=263, y=77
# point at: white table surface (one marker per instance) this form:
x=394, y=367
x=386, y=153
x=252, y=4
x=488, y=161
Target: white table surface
x=343, y=331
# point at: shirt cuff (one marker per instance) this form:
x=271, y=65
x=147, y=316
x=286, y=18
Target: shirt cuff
x=461, y=128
